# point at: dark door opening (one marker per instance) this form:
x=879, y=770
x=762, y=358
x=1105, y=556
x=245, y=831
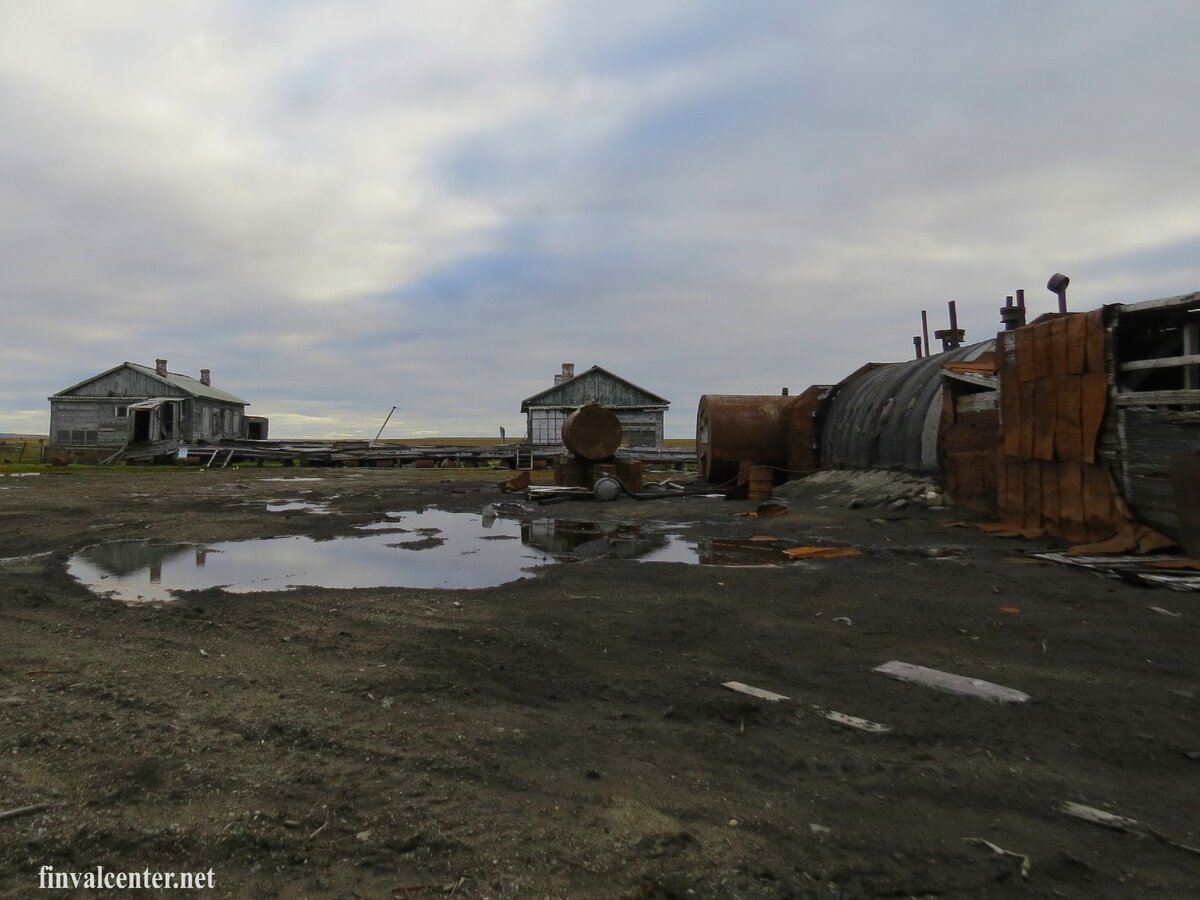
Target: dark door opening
x=141, y=426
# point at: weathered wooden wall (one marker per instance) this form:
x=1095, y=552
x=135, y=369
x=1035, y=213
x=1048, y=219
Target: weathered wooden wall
x=1154, y=416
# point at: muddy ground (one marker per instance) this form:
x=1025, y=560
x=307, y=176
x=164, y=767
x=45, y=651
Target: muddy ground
x=567, y=734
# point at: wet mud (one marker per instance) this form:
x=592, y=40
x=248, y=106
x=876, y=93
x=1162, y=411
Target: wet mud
x=563, y=730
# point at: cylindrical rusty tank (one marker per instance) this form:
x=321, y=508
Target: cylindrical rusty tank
x=732, y=428
x=592, y=432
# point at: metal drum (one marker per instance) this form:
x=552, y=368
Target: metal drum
x=592, y=432
x=732, y=428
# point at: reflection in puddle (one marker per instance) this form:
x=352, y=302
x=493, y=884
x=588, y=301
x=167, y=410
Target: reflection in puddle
x=436, y=549
x=318, y=509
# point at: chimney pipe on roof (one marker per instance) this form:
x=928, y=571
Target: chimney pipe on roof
x=205, y=377
x=160, y=368
x=1058, y=284
x=568, y=371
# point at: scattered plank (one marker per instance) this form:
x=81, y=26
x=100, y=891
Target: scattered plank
x=23, y=811
x=950, y=683
x=1121, y=823
x=822, y=552
x=753, y=691
x=856, y=723
x=1026, y=865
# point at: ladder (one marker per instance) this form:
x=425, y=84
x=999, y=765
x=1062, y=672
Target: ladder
x=523, y=454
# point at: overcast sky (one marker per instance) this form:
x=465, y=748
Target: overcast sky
x=341, y=207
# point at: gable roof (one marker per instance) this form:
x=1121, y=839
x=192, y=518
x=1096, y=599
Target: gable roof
x=186, y=383
x=595, y=385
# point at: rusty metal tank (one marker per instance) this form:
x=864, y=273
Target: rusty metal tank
x=731, y=428
x=592, y=432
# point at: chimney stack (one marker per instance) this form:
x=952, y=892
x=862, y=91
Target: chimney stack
x=568, y=372
x=160, y=368
x=205, y=377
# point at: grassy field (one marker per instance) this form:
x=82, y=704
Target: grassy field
x=23, y=448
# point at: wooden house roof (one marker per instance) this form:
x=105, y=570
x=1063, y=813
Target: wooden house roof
x=596, y=385
x=193, y=387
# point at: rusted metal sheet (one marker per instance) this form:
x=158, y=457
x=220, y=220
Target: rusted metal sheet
x=592, y=432
x=736, y=428
x=802, y=427
x=887, y=416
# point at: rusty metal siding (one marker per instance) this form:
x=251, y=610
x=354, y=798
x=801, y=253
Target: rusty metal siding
x=886, y=416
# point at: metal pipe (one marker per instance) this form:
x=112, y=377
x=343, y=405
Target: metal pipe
x=925, y=329
x=1010, y=315
x=384, y=425
x=917, y=345
x=1058, y=285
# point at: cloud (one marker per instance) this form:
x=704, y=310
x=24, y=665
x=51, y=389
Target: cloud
x=343, y=207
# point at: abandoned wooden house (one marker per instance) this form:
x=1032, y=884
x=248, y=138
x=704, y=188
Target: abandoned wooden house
x=639, y=411
x=132, y=404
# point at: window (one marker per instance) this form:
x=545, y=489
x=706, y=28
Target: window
x=547, y=426
x=121, y=412
x=639, y=437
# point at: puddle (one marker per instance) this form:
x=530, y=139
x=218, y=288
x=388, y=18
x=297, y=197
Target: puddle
x=19, y=474
x=429, y=549
x=317, y=509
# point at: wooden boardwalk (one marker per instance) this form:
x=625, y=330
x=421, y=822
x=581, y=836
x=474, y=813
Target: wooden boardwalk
x=368, y=453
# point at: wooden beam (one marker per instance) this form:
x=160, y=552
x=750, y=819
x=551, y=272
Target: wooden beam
x=1164, y=362
x=1158, y=398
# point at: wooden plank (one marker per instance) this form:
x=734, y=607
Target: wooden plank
x=1045, y=418
x=1013, y=509
x=857, y=723
x=1162, y=362
x=949, y=683
x=1076, y=344
x=753, y=691
x=1068, y=429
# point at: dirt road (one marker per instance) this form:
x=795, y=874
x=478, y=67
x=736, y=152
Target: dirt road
x=567, y=734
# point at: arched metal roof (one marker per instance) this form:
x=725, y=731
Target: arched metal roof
x=886, y=416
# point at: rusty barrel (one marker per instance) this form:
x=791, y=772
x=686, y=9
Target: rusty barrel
x=592, y=432
x=732, y=428
x=630, y=472
x=571, y=472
